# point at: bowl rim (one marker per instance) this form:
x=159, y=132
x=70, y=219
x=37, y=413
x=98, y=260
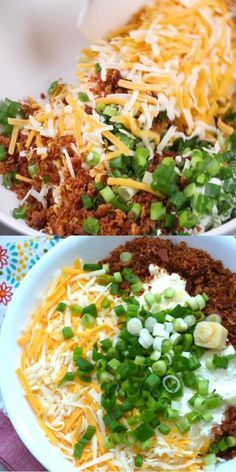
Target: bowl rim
x=228, y=228
x=56, y=461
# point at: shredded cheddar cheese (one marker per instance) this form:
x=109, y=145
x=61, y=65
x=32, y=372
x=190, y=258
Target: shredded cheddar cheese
x=65, y=409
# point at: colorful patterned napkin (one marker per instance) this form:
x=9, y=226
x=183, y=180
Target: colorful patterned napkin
x=17, y=257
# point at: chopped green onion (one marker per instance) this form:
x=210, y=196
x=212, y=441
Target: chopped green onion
x=210, y=459
x=138, y=460
x=61, y=307
x=182, y=425
x=152, y=382
x=137, y=287
x=90, y=310
x=189, y=379
x=119, y=310
x=169, y=293
x=136, y=210
x=67, y=332
x=207, y=417
x=190, y=320
x=82, y=443
x=93, y=159
x=53, y=87
x=171, y=383
x=83, y=97
x=212, y=403
x=214, y=318
x=98, y=67
x=187, y=220
x=203, y=386
x=91, y=226
x=88, y=321
x=100, y=107
x=117, y=277
x=105, y=303
x=69, y=377
x=144, y=432
x=91, y=267
x=150, y=298
x=221, y=362
x=77, y=353
x=20, y=213
x=159, y=368
x=180, y=325
x=87, y=202
x=33, y=170
x=171, y=413
x=164, y=429
x=193, y=417
x=84, y=365
x=107, y=194
x=114, y=364
x=3, y=153
x=134, y=326
x=126, y=257
x=157, y=211
x=76, y=310
x=111, y=110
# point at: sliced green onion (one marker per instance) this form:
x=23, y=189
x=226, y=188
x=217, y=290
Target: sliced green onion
x=203, y=387
x=187, y=220
x=182, y=425
x=20, y=213
x=69, y=377
x=164, y=429
x=93, y=159
x=77, y=353
x=144, y=432
x=88, y=321
x=210, y=459
x=180, y=325
x=67, y=332
x=171, y=413
x=87, y=202
x=159, y=368
x=61, y=307
x=91, y=267
x=137, y=287
x=134, y=326
x=3, y=153
x=138, y=460
x=190, y=320
x=221, y=362
x=214, y=402
x=171, y=383
x=76, y=310
x=107, y=194
x=84, y=365
x=33, y=170
x=207, y=417
x=126, y=257
x=83, y=97
x=152, y=382
x=91, y=226
x=53, y=87
x=193, y=417
x=189, y=379
x=214, y=318
x=114, y=364
x=117, y=277
x=136, y=210
x=82, y=443
x=90, y=310
x=119, y=310
x=105, y=303
x=157, y=211
x=169, y=293
x=111, y=110
x=150, y=298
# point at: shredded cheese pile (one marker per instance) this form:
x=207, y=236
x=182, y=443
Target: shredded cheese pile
x=181, y=51
x=65, y=410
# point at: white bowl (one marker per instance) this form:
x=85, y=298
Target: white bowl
x=42, y=45
x=26, y=300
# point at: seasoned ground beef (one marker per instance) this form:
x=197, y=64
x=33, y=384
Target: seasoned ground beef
x=203, y=274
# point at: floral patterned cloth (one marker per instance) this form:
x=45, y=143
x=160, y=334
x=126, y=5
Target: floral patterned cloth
x=17, y=256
